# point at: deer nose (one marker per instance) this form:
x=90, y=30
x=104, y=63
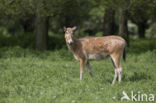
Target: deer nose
x=70, y=41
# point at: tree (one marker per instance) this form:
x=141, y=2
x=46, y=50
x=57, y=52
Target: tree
x=41, y=31
x=109, y=17
x=17, y=15
x=41, y=9
x=123, y=28
x=109, y=22
x=41, y=26
x=140, y=12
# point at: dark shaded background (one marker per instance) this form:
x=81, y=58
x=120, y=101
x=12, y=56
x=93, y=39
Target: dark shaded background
x=38, y=24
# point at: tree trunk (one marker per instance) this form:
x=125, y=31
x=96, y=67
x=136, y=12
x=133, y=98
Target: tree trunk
x=109, y=23
x=141, y=30
x=41, y=31
x=123, y=28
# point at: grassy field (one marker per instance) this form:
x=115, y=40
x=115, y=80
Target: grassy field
x=29, y=76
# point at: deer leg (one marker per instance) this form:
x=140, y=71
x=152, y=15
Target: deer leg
x=120, y=74
x=119, y=69
x=89, y=69
x=116, y=62
x=82, y=62
x=115, y=72
x=115, y=76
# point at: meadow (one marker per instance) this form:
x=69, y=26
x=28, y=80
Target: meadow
x=32, y=76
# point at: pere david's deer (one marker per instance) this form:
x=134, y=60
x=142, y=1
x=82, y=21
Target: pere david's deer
x=94, y=48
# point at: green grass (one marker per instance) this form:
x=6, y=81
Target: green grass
x=30, y=76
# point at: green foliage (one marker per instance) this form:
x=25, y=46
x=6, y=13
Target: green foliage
x=18, y=52
x=142, y=46
x=87, y=14
x=141, y=9
x=151, y=31
x=99, y=34
x=25, y=40
x=32, y=76
x=56, y=41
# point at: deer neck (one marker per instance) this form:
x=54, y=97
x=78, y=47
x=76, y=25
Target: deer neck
x=74, y=46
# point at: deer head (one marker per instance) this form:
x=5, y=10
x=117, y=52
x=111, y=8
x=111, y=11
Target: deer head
x=69, y=34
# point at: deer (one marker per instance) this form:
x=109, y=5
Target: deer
x=90, y=48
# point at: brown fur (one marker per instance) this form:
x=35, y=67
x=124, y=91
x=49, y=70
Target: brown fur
x=88, y=48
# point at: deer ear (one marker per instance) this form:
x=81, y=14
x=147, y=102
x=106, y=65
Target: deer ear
x=74, y=28
x=64, y=28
